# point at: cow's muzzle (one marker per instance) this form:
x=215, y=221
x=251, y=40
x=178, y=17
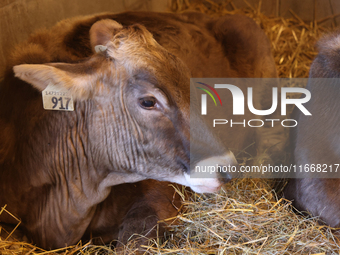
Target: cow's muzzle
x=208, y=175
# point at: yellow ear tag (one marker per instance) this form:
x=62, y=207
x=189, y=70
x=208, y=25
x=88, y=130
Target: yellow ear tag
x=55, y=98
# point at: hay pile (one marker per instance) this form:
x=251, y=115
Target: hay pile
x=246, y=217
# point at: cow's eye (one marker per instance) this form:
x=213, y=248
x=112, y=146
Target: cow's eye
x=147, y=102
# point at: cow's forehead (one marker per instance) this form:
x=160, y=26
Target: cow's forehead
x=135, y=50
x=173, y=86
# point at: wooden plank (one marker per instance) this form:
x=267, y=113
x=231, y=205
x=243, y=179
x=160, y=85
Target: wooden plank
x=160, y=5
x=146, y=5
x=268, y=7
x=335, y=6
x=5, y=2
x=303, y=8
x=323, y=9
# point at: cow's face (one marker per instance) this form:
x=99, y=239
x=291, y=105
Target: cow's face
x=140, y=107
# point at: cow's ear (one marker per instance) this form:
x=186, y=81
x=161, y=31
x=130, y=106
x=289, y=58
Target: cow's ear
x=40, y=76
x=102, y=32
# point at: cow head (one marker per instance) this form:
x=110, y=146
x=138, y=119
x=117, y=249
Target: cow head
x=135, y=99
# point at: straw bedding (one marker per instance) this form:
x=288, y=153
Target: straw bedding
x=247, y=216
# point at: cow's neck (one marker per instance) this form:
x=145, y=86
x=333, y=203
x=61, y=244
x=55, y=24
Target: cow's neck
x=59, y=169
x=69, y=161
x=63, y=161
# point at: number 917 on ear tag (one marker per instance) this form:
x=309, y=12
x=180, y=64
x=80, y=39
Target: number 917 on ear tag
x=57, y=99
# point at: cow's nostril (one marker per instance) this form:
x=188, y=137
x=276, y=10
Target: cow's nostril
x=184, y=166
x=229, y=172
x=224, y=166
x=224, y=179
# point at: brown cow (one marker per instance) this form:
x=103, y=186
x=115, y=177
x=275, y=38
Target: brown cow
x=71, y=174
x=315, y=140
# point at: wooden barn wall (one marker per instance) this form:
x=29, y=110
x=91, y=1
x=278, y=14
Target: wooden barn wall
x=19, y=18
x=307, y=10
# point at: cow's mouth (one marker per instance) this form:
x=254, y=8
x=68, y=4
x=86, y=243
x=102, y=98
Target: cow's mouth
x=184, y=165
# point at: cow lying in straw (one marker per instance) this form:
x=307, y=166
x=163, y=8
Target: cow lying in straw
x=71, y=175
x=315, y=140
